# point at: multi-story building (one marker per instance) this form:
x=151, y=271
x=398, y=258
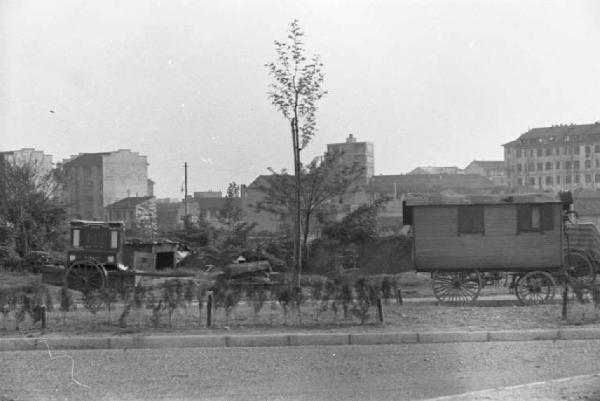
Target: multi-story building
x=95, y=180
x=355, y=153
x=561, y=157
x=37, y=159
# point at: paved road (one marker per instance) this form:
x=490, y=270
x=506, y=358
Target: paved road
x=394, y=372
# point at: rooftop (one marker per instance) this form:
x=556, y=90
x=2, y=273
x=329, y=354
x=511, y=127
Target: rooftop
x=557, y=132
x=428, y=183
x=128, y=203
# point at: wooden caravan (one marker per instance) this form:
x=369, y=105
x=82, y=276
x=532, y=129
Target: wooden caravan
x=459, y=238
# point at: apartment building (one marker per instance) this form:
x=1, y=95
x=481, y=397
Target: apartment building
x=95, y=180
x=560, y=157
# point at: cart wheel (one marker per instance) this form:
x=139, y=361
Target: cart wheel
x=579, y=265
x=84, y=275
x=456, y=287
x=535, y=288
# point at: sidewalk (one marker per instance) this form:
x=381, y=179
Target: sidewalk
x=290, y=339
x=586, y=387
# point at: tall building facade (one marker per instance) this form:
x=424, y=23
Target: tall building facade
x=36, y=158
x=353, y=152
x=95, y=180
x=561, y=157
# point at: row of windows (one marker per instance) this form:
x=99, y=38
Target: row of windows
x=565, y=150
x=471, y=218
x=567, y=165
x=551, y=180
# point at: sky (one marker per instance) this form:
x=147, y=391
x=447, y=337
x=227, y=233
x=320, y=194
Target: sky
x=428, y=82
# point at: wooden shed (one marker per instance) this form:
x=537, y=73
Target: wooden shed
x=510, y=233
x=151, y=256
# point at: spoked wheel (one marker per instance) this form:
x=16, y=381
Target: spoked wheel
x=85, y=275
x=456, y=287
x=535, y=288
x=580, y=266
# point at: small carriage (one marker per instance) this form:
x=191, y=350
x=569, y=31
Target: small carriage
x=468, y=241
x=95, y=259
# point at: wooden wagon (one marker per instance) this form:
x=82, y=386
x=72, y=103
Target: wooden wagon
x=464, y=241
x=95, y=259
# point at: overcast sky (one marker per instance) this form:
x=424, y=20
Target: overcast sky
x=428, y=82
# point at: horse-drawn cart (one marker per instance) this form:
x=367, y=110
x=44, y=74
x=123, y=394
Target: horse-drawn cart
x=95, y=259
x=466, y=241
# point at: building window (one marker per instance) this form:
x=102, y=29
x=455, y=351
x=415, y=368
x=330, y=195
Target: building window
x=567, y=179
x=532, y=181
x=548, y=166
x=518, y=168
x=548, y=151
x=535, y=217
x=597, y=163
x=518, y=153
x=548, y=180
x=576, y=165
x=597, y=178
x=470, y=219
x=519, y=181
x=596, y=148
x=567, y=165
x=540, y=151
x=588, y=178
x=557, y=165
x=576, y=149
x=531, y=166
x=588, y=150
x=557, y=179
x=540, y=166
x=576, y=179
x=564, y=150
x=540, y=181
x=588, y=163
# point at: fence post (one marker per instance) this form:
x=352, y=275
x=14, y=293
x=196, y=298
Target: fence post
x=209, y=302
x=565, y=300
x=399, y=296
x=379, y=310
x=43, y=316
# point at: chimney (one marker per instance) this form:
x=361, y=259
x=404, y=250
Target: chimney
x=350, y=139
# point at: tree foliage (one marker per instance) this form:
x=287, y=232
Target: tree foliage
x=359, y=225
x=321, y=182
x=31, y=212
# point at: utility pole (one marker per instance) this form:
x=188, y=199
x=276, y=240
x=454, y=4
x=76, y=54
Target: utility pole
x=185, y=192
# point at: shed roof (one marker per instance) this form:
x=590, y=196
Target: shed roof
x=432, y=200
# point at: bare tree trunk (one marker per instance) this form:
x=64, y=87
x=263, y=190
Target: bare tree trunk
x=297, y=228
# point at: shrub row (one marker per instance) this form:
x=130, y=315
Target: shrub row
x=316, y=295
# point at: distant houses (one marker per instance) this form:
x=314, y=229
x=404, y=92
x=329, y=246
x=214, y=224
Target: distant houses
x=115, y=184
x=96, y=180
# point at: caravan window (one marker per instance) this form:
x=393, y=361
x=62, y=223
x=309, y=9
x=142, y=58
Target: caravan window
x=470, y=219
x=535, y=217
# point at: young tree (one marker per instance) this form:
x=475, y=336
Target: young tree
x=232, y=213
x=295, y=89
x=321, y=181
